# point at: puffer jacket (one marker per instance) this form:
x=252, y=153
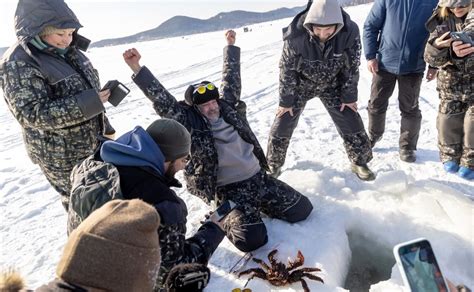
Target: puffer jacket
x=455, y=75
x=309, y=68
x=395, y=34
x=55, y=99
x=95, y=182
x=201, y=171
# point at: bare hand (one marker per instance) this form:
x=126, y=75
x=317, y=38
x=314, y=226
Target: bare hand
x=282, y=110
x=352, y=106
x=230, y=37
x=461, y=49
x=431, y=74
x=373, y=66
x=443, y=42
x=104, y=95
x=132, y=58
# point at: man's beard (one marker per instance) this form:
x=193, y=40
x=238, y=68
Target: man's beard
x=171, y=171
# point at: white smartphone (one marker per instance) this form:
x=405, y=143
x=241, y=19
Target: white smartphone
x=418, y=266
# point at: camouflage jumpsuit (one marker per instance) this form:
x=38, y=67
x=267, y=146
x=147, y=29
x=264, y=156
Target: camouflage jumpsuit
x=53, y=97
x=327, y=70
x=455, y=120
x=259, y=193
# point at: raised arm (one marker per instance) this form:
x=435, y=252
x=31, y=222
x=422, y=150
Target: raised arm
x=29, y=99
x=231, y=82
x=164, y=103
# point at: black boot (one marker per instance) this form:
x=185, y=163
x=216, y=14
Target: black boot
x=363, y=172
x=373, y=140
x=407, y=155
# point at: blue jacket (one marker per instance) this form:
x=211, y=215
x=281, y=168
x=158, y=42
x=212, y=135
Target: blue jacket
x=395, y=34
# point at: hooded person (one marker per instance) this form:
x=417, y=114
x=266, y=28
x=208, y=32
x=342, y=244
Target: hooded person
x=53, y=91
x=321, y=57
x=115, y=249
x=455, y=60
x=141, y=164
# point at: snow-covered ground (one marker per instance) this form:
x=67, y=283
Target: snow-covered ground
x=354, y=224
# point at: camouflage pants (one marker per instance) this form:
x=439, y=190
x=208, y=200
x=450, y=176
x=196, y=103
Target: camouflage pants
x=383, y=84
x=348, y=123
x=59, y=178
x=455, y=123
x=260, y=193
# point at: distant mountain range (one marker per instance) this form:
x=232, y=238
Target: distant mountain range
x=183, y=25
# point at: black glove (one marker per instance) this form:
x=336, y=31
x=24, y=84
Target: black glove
x=188, y=278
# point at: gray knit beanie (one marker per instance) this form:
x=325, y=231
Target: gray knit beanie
x=172, y=138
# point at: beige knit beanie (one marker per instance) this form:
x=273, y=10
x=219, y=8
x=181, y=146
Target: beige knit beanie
x=116, y=248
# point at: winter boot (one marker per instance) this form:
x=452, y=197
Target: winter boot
x=363, y=172
x=451, y=166
x=275, y=171
x=466, y=173
x=407, y=155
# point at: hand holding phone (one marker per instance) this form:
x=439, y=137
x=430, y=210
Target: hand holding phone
x=418, y=266
x=461, y=36
x=222, y=211
x=118, y=91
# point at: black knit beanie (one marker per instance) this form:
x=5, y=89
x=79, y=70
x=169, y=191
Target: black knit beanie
x=172, y=138
x=193, y=98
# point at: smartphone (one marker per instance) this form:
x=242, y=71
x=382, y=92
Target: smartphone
x=418, y=266
x=461, y=36
x=80, y=42
x=223, y=210
x=118, y=91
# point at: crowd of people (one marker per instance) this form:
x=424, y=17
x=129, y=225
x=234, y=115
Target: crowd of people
x=118, y=193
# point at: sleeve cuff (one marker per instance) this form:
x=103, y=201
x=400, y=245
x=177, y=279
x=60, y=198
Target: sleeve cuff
x=232, y=52
x=143, y=78
x=89, y=103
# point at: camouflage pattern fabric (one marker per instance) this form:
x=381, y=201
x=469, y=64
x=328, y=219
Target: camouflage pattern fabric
x=329, y=71
x=56, y=132
x=201, y=170
x=265, y=194
x=455, y=120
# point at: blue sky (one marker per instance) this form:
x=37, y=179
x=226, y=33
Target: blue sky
x=112, y=18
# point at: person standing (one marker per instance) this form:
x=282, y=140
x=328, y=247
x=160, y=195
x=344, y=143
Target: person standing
x=53, y=91
x=455, y=61
x=321, y=57
x=394, y=40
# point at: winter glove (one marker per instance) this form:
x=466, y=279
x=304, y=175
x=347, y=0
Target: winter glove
x=188, y=278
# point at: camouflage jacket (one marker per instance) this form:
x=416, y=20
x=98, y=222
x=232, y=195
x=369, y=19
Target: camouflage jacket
x=309, y=68
x=54, y=99
x=455, y=75
x=201, y=170
x=95, y=182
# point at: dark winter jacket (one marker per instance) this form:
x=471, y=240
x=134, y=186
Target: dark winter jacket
x=59, y=285
x=55, y=99
x=140, y=165
x=395, y=34
x=309, y=68
x=455, y=75
x=201, y=171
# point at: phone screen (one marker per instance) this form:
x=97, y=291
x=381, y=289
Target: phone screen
x=421, y=268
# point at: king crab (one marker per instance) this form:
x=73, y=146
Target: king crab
x=279, y=274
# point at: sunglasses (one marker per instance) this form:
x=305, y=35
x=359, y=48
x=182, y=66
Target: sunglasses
x=459, y=6
x=242, y=290
x=202, y=88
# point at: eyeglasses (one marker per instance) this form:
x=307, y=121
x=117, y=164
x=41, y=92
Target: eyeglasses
x=460, y=7
x=241, y=290
x=202, y=88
